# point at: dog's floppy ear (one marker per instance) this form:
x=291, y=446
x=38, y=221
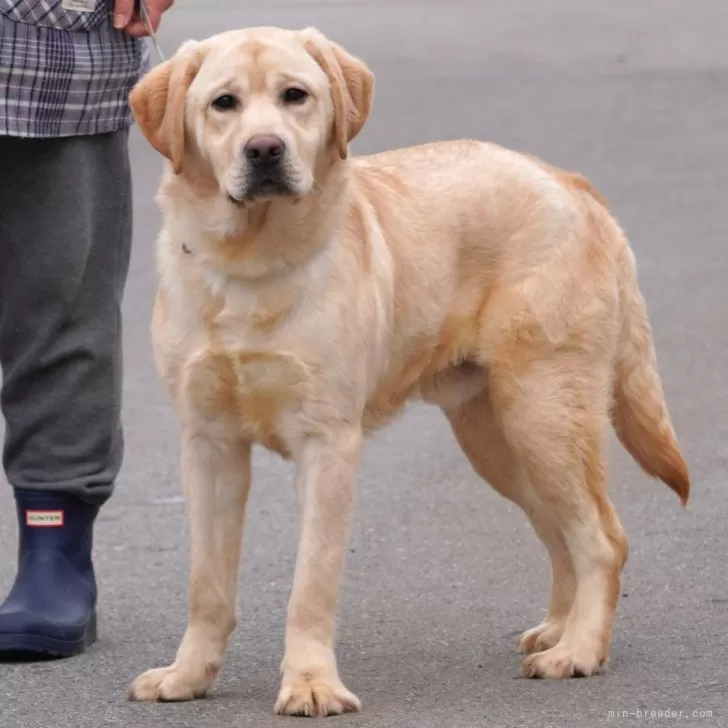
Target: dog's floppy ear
x=158, y=102
x=352, y=86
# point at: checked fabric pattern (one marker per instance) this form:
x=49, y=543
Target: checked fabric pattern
x=65, y=72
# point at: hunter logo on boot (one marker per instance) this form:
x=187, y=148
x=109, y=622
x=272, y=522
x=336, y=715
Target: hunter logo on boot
x=44, y=519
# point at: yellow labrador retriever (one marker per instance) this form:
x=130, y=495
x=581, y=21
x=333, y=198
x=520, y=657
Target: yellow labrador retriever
x=305, y=296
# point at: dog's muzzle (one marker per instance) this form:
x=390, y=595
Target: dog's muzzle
x=266, y=168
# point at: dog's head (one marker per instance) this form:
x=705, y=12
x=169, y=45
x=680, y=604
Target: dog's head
x=258, y=111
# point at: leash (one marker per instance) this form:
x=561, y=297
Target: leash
x=142, y=5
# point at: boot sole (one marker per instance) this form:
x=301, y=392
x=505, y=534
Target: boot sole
x=29, y=647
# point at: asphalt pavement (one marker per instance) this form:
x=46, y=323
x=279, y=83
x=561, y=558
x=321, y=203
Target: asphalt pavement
x=442, y=573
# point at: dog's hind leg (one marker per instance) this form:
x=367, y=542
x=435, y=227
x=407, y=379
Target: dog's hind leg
x=553, y=410
x=481, y=438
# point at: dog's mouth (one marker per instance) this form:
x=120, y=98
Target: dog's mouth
x=264, y=186
x=269, y=187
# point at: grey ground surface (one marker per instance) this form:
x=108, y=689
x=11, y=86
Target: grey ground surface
x=443, y=574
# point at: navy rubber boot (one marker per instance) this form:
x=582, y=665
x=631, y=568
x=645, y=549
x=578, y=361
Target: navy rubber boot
x=51, y=608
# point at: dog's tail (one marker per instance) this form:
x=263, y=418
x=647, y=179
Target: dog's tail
x=639, y=413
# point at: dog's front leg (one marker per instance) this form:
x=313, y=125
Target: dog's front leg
x=216, y=481
x=325, y=485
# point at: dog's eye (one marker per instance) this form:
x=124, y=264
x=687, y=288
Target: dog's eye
x=225, y=102
x=294, y=95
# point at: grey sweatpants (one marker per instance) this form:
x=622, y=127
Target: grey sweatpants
x=65, y=237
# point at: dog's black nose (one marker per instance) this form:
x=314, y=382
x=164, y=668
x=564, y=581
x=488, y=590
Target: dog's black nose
x=264, y=149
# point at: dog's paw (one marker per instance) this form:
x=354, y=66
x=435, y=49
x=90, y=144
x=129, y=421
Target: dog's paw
x=307, y=695
x=169, y=684
x=541, y=638
x=561, y=661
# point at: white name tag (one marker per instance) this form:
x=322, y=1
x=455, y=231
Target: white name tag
x=44, y=519
x=80, y=6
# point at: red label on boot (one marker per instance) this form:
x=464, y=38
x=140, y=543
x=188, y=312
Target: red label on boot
x=44, y=519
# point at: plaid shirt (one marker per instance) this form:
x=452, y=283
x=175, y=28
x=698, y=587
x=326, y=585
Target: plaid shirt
x=64, y=72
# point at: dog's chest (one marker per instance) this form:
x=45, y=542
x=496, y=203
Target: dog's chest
x=251, y=373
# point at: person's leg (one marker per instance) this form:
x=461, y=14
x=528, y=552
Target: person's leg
x=65, y=236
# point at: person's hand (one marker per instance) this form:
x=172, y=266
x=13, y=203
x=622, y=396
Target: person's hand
x=127, y=15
